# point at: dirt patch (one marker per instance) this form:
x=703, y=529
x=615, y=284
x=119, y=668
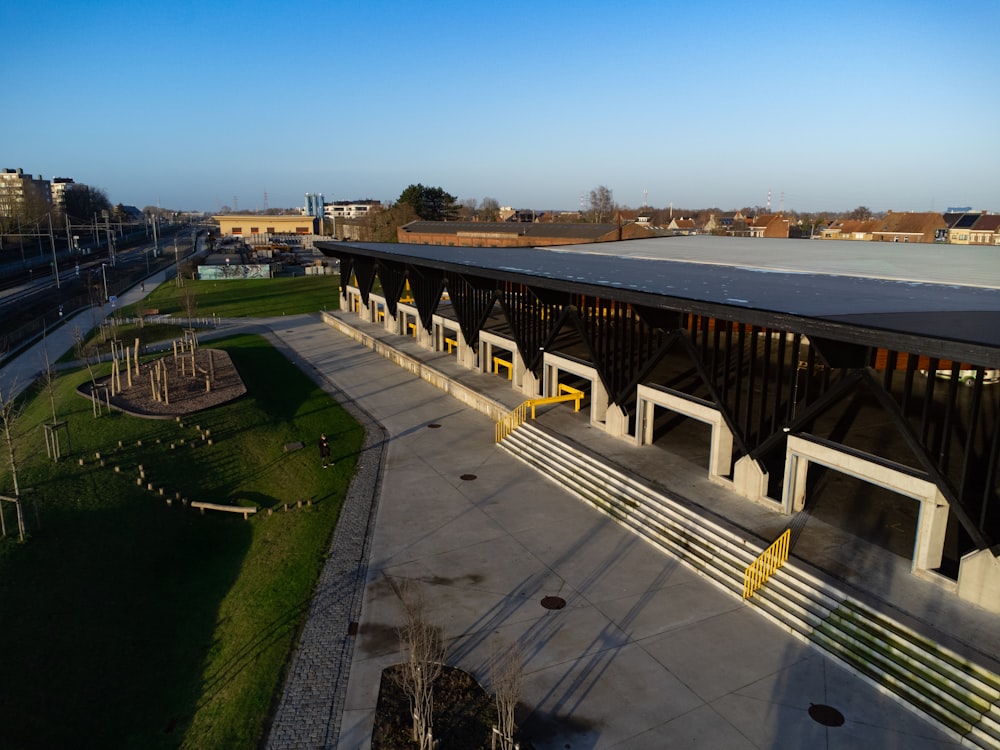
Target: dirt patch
x=464, y=714
x=186, y=391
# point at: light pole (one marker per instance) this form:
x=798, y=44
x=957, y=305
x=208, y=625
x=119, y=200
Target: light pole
x=55, y=260
x=104, y=273
x=177, y=264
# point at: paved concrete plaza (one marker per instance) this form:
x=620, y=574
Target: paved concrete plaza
x=645, y=653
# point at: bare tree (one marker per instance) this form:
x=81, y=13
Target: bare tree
x=189, y=301
x=602, y=203
x=423, y=649
x=506, y=671
x=489, y=209
x=82, y=353
x=10, y=413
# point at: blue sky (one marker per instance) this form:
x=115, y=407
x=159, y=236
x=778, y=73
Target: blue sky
x=892, y=105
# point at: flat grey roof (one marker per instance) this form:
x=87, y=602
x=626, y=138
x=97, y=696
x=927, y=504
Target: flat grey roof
x=948, y=293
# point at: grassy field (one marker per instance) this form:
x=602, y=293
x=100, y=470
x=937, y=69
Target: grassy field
x=240, y=298
x=127, y=623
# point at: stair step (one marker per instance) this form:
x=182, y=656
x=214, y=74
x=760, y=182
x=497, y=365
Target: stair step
x=947, y=687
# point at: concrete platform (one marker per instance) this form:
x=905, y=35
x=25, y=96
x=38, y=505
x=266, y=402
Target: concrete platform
x=644, y=655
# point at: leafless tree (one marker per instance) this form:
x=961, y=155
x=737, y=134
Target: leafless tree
x=423, y=651
x=82, y=353
x=489, y=209
x=506, y=671
x=48, y=383
x=10, y=413
x=189, y=301
x=602, y=203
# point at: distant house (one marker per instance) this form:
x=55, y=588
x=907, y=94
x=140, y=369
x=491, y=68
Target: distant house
x=986, y=230
x=729, y=223
x=511, y=234
x=849, y=229
x=908, y=226
x=960, y=227
x=682, y=226
x=769, y=225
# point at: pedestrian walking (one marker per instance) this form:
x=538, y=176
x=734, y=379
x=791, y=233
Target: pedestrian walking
x=324, y=450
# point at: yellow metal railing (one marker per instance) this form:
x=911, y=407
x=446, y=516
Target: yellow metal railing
x=519, y=415
x=499, y=362
x=757, y=572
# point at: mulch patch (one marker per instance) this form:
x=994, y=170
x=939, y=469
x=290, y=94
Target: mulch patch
x=186, y=393
x=464, y=714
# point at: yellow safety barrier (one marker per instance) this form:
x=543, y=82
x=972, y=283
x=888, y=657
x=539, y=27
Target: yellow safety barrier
x=576, y=393
x=498, y=363
x=757, y=572
x=519, y=415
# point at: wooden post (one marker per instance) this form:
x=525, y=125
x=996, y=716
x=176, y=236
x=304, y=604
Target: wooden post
x=135, y=357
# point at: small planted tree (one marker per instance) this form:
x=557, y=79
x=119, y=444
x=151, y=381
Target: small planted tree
x=10, y=412
x=82, y=352
x=423, y=652
x=48, y=386
x=506, y=671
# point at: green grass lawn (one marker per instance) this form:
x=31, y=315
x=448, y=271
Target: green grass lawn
x=240, y=298
x=125, y=623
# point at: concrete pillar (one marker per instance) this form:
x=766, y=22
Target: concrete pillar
x=598, y=401
x=750, y=480
x=794, y=496
x=485, y=356
x=425, y=339
x=979, y=579
x=616, y=422
x=466, y=354
x=530, y=385
x=932, y=522
x=365, y=311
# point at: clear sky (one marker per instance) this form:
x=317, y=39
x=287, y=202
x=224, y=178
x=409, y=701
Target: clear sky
x=891, y=104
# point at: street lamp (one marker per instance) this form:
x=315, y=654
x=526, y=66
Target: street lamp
x=104, y=273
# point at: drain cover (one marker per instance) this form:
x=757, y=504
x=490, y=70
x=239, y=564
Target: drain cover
x=433, y=426
x=468, y=477
x=828, y=716
x=553, y=602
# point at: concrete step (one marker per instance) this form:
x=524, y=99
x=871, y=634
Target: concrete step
x=958, y=694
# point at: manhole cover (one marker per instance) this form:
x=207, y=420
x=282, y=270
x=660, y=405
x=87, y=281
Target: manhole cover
x=553, y=602
x=828, y=716
x=433, y=426
x=468, y=477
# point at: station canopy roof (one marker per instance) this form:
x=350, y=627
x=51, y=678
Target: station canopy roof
x=851, y=290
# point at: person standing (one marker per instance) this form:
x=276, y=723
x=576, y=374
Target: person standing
x=324, y=450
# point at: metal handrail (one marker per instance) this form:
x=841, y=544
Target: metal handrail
x=519, y=415
x=757, y=572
